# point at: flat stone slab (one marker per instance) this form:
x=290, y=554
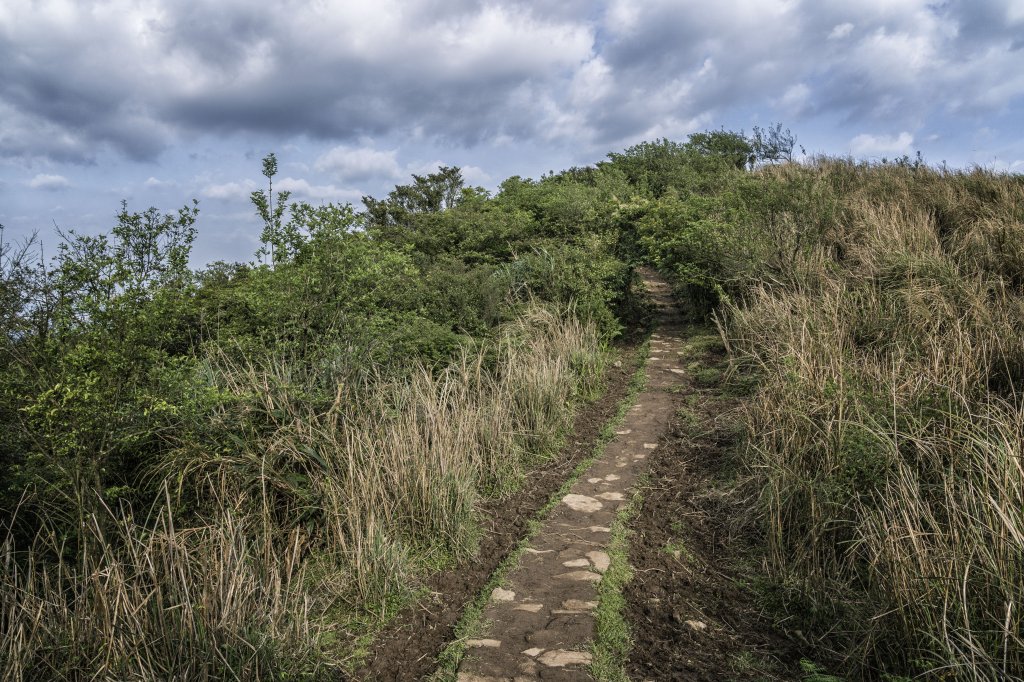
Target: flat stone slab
x=582, y=503
x=500, y=594
x=599, y=560
x=559, y=658
x=488, y=643
x=583, y=576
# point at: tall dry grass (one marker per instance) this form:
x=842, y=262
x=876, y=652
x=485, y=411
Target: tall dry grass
x=886, y=438
x=279, y=546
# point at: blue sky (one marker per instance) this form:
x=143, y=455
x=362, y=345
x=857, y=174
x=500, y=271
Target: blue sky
x=158, y=102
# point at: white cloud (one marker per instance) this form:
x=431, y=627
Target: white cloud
x=592, y=82
x=303, y=189
x=423, y=167
x=355, y=164
x=300, y=189
x=156, y=183
x=474, y=176
x=48, y=182
x=230, y=190
x=896, y=59
x=795, y=99
x=840, y=31
x=866, y=144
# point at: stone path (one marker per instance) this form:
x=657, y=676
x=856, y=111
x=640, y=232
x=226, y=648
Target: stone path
x=542, y=625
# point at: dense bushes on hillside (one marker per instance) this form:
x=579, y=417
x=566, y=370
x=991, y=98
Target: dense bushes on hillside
x=179, y=449
x=239, y=471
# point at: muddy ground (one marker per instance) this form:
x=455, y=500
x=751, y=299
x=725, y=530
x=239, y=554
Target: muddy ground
x=692, y=605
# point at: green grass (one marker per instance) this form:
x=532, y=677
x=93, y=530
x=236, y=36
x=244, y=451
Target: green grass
x=613, y=640
x=874, y=317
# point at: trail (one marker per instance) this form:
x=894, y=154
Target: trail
x=541, y=624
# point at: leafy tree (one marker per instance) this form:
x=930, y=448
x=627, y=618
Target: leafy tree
x=732, y=147
x=429, y=193
x=772, y=144
x=650, y=166
x=275, y=237
x=87, y=403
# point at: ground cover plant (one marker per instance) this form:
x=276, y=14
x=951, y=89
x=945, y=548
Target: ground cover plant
x=243, y=471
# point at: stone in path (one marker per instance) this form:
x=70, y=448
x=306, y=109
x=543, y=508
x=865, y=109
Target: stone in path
x=541, y=621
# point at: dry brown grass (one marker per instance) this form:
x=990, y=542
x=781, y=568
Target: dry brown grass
x=888, y=431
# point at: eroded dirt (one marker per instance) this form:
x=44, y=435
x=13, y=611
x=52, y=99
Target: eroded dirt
x=691, y=604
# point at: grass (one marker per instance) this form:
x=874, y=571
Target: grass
x=886, y=422
x=612, y=642
x=278, y=554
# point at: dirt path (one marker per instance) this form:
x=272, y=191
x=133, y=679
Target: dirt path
x=697, y=605
x=541, y=623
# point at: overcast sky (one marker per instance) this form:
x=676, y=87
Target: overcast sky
x=158, y=102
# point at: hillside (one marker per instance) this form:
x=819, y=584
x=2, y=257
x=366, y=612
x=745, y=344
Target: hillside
x=262, y=470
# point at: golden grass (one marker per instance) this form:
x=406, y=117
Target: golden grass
x=887, y=434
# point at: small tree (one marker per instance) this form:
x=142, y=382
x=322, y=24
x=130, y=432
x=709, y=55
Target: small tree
x=773, y=143
x=273, y=235
x=732, y=147
x=431, y=193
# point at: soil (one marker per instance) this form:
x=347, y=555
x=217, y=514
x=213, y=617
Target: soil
x=409, y=646
x=691, y=605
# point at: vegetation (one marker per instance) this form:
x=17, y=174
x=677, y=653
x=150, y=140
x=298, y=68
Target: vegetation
x=241, y=471
x=880, y=310
x=613, y=640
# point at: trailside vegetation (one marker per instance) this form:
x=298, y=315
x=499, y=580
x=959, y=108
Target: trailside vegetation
x=237, y=472
x=241, y=471
x=877, y=312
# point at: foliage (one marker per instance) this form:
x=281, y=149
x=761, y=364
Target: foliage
x=180, y=448
x=772, y=143
x=275, y=238
x=878, y=308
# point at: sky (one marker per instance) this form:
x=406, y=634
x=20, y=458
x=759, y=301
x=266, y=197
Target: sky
x=157, y=102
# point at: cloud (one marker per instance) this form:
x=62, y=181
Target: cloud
x=134, y=77
x=878, y=145
x=229, y=190
x=303, y=189
x=300, y=189
x=840, y=31
x=355, y=164
x=476, y=176
x=48, y=182
x=156, y=183
x=81, y=80
x=795, y=100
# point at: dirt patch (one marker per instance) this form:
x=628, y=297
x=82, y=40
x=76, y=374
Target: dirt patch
x=691, y=607
x=408, y=648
